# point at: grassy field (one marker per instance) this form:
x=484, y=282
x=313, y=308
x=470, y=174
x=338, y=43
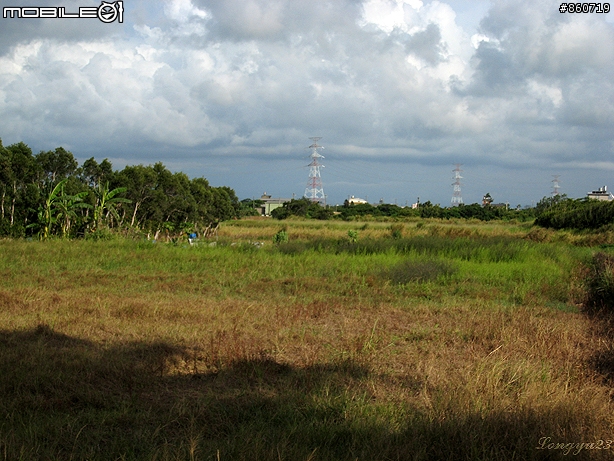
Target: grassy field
x=450, y=341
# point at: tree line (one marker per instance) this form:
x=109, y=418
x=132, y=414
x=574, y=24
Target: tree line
x=308, y=209
x=561, y=212
x=50, y=194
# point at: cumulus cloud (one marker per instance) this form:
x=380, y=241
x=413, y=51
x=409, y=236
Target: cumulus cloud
x=387, y=80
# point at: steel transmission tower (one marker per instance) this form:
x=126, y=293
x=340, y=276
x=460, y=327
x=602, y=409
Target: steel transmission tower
x=555, y=185
x=314, y=190
x=457, y=197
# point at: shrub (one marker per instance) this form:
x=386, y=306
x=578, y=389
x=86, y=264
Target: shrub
x=599, y=283
x=280, y=237
x=353, y=236
x=577, y=214
x=396, y=231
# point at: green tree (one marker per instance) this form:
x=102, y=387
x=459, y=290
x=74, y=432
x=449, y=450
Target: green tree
x=23, y=191
x=5, y=181
x=225, y=204
x=140, y=182
x=202, y=195
x=302, y=207
x=548, y=202
x=577, y=214
x=56, y=165
x=248, y=207
x=428, y=210
x=93, y=174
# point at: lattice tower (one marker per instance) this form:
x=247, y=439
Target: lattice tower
x=457, y=197
x=555, y=185
x=314, y=190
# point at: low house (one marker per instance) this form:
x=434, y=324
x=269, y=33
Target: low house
x=269, y=204
x=601, y=194
x=356, y=201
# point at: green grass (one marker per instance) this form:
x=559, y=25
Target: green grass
x=447, y=342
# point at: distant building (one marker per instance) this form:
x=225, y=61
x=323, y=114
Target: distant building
x=269, y=204
x=356, y=201
x=487, y=200
x=601, y=194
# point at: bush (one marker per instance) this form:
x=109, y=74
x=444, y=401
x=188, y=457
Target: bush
x=304, y=208
x=577, y=214
x=280, y=237
x=396, y=231
x=599, y=283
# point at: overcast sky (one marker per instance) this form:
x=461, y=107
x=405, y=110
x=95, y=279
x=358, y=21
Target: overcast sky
x=399, y=90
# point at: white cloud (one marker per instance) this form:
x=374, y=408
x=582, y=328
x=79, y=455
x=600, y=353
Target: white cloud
x=477, y=38
x=386, y=79
x=183, y=10
x=388, y=15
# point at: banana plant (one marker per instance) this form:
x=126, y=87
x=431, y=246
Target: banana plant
x=58, y=207
x=67, y=206
x=107, y=203
x=47, y=212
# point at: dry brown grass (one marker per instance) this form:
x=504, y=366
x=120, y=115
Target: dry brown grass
x=220, y=351
x=263, y=229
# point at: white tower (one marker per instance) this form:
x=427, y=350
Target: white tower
x=555, y=185
x=457, y=198
x=314, y=190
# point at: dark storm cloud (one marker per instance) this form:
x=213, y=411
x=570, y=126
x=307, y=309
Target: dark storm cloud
x=495, y=73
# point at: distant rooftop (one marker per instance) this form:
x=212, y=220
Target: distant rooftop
x=356, y=200
x=601, y=194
